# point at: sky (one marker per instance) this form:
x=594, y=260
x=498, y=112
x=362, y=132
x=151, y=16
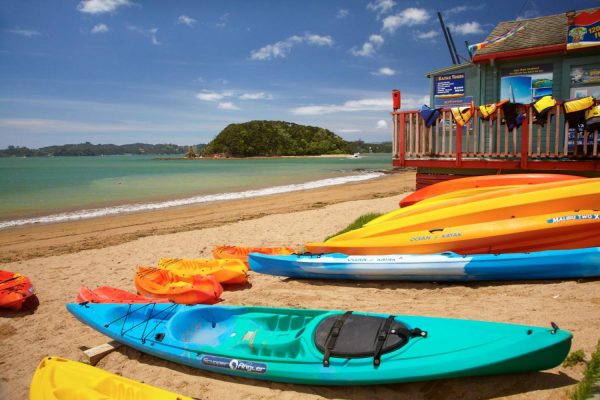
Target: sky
x=125, y=71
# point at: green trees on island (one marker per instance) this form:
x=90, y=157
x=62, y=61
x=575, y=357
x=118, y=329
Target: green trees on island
x=274, y=138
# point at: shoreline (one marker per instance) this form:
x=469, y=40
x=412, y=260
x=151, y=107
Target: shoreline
x=255, y=157
x=35, y=240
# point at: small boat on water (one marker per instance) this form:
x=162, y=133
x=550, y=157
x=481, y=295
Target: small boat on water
x=441, y=267
x=355, y=155
x=319, y=347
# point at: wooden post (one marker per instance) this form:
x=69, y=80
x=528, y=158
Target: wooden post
x=402, y=139
x=525, y=142
x=459, y=130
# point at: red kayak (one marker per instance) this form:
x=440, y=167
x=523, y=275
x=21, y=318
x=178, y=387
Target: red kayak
x=473, y=182
x=14, y=290
x=105, y=294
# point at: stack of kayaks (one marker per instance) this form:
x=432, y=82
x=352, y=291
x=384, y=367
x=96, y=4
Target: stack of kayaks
x=15, y=289
x=326, y=347
x=58, y=378
x=555, y=216
x=241, y=252
x=164, y=284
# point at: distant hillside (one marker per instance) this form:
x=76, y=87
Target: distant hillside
x=359, y=146
x=274, y=138
x=89, y=149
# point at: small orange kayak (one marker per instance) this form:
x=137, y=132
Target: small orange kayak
x=106, y=294
x=473, y=182
x=241, y=253
x=164, y=284
x=14, y=290
x=225, y=271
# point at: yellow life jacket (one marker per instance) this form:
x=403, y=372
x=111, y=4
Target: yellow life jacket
x=488, y=111
x=462, y=115
x=542, y=107
x=580, y=104
x=592, y=119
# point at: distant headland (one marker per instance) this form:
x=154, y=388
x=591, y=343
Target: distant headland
x=248, y=139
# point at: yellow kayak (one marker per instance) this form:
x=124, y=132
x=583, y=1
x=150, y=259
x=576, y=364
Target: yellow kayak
x=226, y=271
x=556, y=231
x=513, y=203
x=57, y=378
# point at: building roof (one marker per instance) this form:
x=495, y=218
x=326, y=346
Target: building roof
x=541, y=35
x=451, y=68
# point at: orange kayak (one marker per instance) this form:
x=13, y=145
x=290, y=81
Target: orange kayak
x=241, y=253
x=225, y=271
x=510, y=203
x=14, y=290
x=106, y=294
x=472, y=182
x=163, y=284
x=556, y=231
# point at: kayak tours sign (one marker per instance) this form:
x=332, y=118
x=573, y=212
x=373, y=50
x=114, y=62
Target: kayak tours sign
x=584, y=30
x=526, y=84
x=449, y=90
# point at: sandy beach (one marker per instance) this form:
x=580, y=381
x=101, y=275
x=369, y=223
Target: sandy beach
x=60, y=258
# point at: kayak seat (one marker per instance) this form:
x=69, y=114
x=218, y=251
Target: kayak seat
x=356, y=336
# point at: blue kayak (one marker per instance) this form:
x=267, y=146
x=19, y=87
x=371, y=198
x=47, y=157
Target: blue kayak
x=448, y=266
x=321, y=347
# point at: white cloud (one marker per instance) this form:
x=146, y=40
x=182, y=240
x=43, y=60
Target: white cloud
x=342, y=13
x=368, y=48
x=468, y=28
x=408, y=17
x=100, y=28
x=385, y=71
x=426, y=35
x=148, y=33
x=456, y=10
x=373, y=104
x=101, y=6
x=23, y=32
x=381, y=124
x=255, y=96
x=185, y=20
x=210, y=96
x=227, y=106
x=282, y=48
x=348, y=130
x=381, y=6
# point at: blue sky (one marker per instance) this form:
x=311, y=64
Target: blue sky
x=123, y=71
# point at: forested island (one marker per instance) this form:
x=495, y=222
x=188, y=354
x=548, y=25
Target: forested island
x=248, y=139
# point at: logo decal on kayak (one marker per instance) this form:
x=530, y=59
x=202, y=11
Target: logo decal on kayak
x=234, y=364
x=576, y=217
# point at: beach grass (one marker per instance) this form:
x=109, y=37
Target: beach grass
x=591, y=379
x=357, y=223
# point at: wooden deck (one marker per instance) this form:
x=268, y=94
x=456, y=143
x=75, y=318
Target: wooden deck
x=491, y=145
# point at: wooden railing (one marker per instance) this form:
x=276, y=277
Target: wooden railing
x=490, y=144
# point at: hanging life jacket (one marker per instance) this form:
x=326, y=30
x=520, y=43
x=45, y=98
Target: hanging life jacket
x=488, y=112
x=542, y=107
x=592, y=119
x=513, y=115
x=462, y=115
x=429, y=115
x=575, y=110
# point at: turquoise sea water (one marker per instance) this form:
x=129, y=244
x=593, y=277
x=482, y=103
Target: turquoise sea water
x=42, y=186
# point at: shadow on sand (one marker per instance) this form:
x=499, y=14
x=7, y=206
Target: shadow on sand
x=484, y=387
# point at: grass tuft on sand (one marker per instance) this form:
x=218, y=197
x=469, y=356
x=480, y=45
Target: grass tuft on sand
x=358, y=223
x=590, y=384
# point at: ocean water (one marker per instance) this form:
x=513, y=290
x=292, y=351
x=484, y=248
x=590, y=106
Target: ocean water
x=50, y=189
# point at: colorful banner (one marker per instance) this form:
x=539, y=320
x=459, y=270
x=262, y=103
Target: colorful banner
x=585, y=30
x=585, y=75
x=474, y=47
x=526, y=84
x=449, y=86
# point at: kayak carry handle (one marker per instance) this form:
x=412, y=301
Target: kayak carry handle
x=436, y=230
x=555, y=327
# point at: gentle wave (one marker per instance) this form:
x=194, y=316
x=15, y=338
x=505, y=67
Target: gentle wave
x=128, y=208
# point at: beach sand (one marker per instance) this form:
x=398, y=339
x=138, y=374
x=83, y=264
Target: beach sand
x=60, y=258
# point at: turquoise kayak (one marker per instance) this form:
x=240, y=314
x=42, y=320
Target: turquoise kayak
x=448, y=266
x=320, y=347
